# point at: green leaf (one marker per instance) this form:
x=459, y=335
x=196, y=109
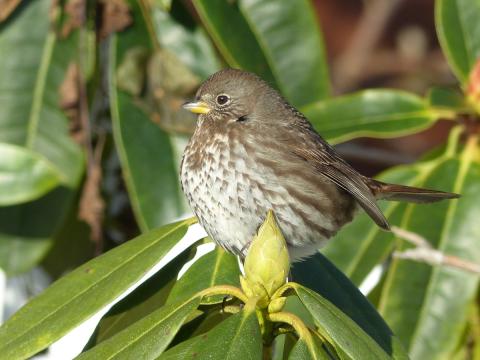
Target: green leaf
x=192, y=47
x=32, y=69
x=233, y=36
x=255, y=36
x=238, y=337
x=443, y=97
x=71, y=243
x=458, y=30
x=146, y=151
x=215, y=268
x=75, y=297
x=339, y=329
x=289, y=36
x=373, y=113
x=201, y=324
x=361, y=245
x=148, y=337
x=24, y=175
x=27, y=230
x=321, y=276
x=438, y=297
x=148, y=297
x=301, y=351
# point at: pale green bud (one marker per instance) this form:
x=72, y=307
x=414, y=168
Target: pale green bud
x=267, y=262
x=255, y=290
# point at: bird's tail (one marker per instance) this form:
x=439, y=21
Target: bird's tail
x=395, y=192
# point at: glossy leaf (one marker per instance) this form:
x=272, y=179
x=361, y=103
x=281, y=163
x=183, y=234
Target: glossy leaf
x=30, y=77
x=458, y=30
x=215, y=268
x=339, y=329
x=373, y=113
x=24, y=175
x=32, y=68
x=449, y=98
x=201, y=324
x=148, y=337
x=146, y=151
x=233, y=36
x=301, y=351
x=75, y=297
x=238, y=337
x=289, y=36
x=148, y=297
x=361, y=245
x=438, y=297
x=192, y=47
x=319, y=275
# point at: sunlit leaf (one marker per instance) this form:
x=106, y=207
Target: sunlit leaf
x=238, y=337
x=148, y=337
x=438, y=297
x=215, y=268
x=148, y=297
x=77, y=296
x=458, y=30
x=289, y=36
x=192, y=47
x=374, y=113
x=233, y=36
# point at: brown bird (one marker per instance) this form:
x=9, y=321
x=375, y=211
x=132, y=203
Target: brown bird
x=252, y=151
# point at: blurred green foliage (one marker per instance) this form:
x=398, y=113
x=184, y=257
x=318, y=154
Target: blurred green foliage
x=59, y=133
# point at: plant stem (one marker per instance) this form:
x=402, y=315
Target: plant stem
x=224, y=290
x=291, y=320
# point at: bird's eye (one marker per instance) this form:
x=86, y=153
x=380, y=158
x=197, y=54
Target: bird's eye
x=222, y=99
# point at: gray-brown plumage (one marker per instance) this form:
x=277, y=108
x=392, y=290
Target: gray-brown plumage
x=252, y=151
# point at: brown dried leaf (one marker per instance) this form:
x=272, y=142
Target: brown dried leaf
x=75, y=11
x=69, y=98
x=115, y=17
x=91, y=207
x=69, y=91
x=7, y=7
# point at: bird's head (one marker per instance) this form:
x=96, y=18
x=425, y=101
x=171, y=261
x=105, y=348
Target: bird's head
x=229, y=95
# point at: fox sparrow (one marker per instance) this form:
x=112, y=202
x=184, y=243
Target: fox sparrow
x=252, y=151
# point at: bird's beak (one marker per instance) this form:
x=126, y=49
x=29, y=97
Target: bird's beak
x=197, y=107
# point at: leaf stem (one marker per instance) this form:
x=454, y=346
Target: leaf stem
x=282, y=290
x=292, y=320
x=224, y=290
x=453, y=139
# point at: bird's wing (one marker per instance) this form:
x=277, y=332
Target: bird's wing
x=324, y=159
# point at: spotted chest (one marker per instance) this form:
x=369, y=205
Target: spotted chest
x=230, y=188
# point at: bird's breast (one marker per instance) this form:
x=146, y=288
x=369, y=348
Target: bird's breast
x=231, y=184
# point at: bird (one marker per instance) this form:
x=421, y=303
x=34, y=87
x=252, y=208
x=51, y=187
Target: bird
x=252, y=151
